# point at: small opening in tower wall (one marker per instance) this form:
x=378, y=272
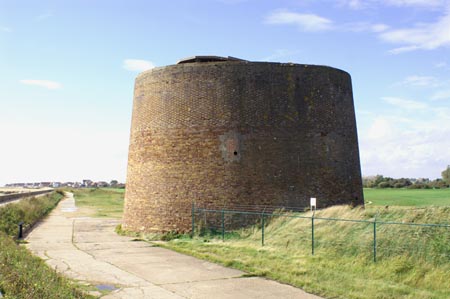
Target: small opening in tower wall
x=235, y=153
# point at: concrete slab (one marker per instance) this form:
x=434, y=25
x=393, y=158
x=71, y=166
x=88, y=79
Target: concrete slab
x=238, y=288
x=89, y=250
x=143, y=293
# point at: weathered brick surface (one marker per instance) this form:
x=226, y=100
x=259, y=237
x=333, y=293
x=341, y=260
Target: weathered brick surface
x=235, y=133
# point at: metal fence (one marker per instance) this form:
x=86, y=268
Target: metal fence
x=219, y=221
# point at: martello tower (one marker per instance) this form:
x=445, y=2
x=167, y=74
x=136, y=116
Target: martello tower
x=224, y=131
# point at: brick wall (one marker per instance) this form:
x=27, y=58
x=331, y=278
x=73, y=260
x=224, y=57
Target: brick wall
x=236, y=133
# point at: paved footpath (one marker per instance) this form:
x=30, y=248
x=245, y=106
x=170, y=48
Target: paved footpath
x=88, y=249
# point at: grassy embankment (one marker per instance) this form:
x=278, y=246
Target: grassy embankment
x=23, y=275
x=413, y=262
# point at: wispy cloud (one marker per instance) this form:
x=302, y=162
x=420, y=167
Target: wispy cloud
x=365, y=4
x=441, y=64
x=5, y=29
x=423, y=36
x=44, y=16
x=42, y=83
x=278, y=54
x=137, y=65
x=441, y=95
x=305, y=22
x=362, y=27
x=404, y=103
x=379, y=27
x=354, y=4
x=420, y=81
x=316, y=23
x=423, y=3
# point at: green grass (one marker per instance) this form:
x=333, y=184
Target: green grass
x=23, y=275
x=28, y=210
x=407, y=197
x=104, y=202
x=413, y=262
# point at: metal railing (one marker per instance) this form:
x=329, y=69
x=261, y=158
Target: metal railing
x=219, y=224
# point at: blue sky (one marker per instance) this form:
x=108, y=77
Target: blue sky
x=67, y=71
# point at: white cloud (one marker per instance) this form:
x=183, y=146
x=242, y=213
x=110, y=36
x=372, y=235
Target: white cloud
x=305, y=22
x=380, y=129
x=42, y=83
x=404, y=104
x=379, y=27
x=421, y=81
x=137, y=65
x=423, y=36
x=414, y=146
x=5, y=29
x=441, y=95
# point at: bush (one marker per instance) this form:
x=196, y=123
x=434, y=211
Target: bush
x=384, y=185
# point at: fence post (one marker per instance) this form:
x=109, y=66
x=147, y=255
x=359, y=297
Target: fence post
x=312, y=234
x=193, y=219
x=223, y=226
x=262, y=229
x=375, y=240
x=20, y=234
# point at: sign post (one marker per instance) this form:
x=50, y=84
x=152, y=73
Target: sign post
x=313, y=203
x=313, y=210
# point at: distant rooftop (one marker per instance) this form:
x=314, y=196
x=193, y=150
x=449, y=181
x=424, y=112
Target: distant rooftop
x=208, y=59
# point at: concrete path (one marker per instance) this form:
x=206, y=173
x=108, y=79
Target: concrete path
x=88, y=249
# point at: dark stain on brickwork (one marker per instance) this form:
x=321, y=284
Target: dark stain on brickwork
x=239, y=133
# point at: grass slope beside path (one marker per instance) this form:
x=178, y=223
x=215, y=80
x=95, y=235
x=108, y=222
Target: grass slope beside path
x=23, y=275
x=413, y=262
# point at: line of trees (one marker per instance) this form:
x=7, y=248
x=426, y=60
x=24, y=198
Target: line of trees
x=380, y=181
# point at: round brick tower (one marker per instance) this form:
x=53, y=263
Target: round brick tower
x=226, y=132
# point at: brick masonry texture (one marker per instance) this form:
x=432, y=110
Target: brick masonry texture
x=239, y=133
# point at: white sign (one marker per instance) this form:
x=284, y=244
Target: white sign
x=313, y=202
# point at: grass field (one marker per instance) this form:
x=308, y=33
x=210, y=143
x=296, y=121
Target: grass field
x=101, y=202
x=407, y=197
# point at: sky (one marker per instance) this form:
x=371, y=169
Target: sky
x=67, y=71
